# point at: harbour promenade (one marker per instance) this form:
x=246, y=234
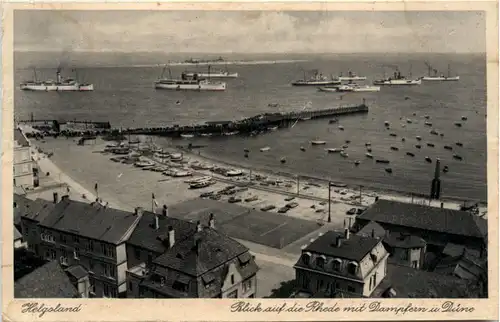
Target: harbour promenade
x=252, y=125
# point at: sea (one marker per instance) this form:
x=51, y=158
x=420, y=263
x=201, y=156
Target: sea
x=124, y=96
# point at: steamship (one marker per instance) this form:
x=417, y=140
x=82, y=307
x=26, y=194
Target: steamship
x=351, y=77
x=433, y=76
x=61, y=84
x=318, y=79
x=398, y=79
x=221, y=73
x=188, y=83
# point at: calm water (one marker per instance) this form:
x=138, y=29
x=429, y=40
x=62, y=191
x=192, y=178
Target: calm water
x=125, y=97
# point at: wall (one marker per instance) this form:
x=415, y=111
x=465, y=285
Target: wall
x=317, y=281
x=23, y=167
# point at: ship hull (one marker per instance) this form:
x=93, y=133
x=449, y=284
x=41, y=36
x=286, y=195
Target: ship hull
x=330, y=90
x=353, y=78
x=192, y=87
x=319, y=83
x=57, y=88
x=397, y=82
x=440, y=79
x=214, y=75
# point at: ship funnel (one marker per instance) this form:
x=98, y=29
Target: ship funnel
x=59, y=79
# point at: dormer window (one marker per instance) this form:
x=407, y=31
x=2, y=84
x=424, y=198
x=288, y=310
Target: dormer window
x=320, y=262
x=373, y=257
x=336, y=264
x=306, y=258
x=352, y=268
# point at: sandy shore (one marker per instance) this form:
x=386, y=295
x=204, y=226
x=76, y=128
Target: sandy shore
x=125, y=186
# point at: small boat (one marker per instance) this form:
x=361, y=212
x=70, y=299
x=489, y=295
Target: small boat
x=273, y=128
x=302, y=148
x=441, y=134
x=419, y=138
x=332, y=121
x=273, y=105
x=246, y=150
x=283, y=160
x=356, y=163
x=199, y=179
x=386, y=123
x=369, y=149
x=176, y=157
x=458, y=124
x=418, y=146
x=393, y=134
x=341, y=128
x=345, y=155
x=456, y=156
x=434, y=132
x=206, y=134
x=181, y=173
x=334, y=150
x=427, y=117
x=410, y=154
x=318, y=142
x=430, y=144
x=265, y=149
x=403, y=139
x=143, y=164
x=464, y=118
x=409, y=121
x=347, y=141
x=393, y=148
x=331, y=89
x=459, y=144
x=231, y=133
x=187, y=136
x=428, y=123
x=382, y=161
x=345, y=146
x=388, y=170
x=445, y=169
x=234, y=173
x=368, y=144
x=201, y=184
x=369, y=155
x=447, y=147
x=428, y=159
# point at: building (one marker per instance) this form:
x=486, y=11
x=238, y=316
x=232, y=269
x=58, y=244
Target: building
x=404, y=249
x=84, y=238
x=18, y=239
x=340, y=262
x=24, y=164
x=173, y=258
x=47, y=281
x=436, y=226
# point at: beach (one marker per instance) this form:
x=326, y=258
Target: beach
x=125, y=186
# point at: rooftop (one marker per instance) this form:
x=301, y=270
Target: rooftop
x=20, y=138
x=47, y=281
x=91, y=220
x=214, y=249
x=407, y=282
x=355, y=248
x=17, y=234
x=77, y=271
x=32, y=209
x=146, y=236
x=401, y=240
x=372, y=230
x=426, y=217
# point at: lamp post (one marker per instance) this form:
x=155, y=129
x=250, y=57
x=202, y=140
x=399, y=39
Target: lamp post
x=250, y=173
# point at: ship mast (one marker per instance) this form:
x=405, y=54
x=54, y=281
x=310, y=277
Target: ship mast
x=449, y=70
x=34, y=73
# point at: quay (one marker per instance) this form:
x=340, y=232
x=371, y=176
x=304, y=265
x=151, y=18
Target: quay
x=254, y=125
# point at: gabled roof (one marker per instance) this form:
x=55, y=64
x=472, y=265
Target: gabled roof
x=47, y=281
x=36, y=210
x=407, y=282
x=77, y=271
x=355, y=248
x=91, y=220
x=147, y=237
x=401, y=240
x=425, y=217
x=17, y=234
x=372, y=228
x=214, y=250
x=20, y=138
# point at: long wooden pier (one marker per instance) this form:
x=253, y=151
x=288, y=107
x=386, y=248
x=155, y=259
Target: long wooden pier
x=253, y=125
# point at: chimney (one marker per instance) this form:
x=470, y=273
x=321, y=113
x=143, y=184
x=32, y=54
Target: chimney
x=15, y=204
x=346, y=233
x=171, y=236
x=376, y=198
x=198, y=226
x=197, y=244
x=55, y=197
x=164, y=211
x=138, y=211
x=442, y=205
x=211, y=221
x=157, y=222
x=373, y=233
x=338, y=241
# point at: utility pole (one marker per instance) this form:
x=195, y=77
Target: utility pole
x=298, y=179
x=329, y=201
x=360, y=195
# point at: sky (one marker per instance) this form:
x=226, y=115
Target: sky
x=250, y=31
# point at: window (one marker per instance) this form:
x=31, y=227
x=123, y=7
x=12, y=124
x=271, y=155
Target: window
x=233, y=294
x=305, y=282
x=232, y=279
x=47, y=237
x=180, y=286
x=63, y=238
x=336, y=265
x=320, y=262
x=414, y=264
x=374, y=279
x=64, y=260
x=76, y=253
x=130, y=286
x=137, y=253
x=319, y=284
x=306, y=258
x=76, y=240
x=351, y=289
x=107, y=250
x=247, y=285
x=352, y=268
x=108, y=290
x=404, y=254
x=91, y=266
x=108, y=270
x=91, y=286
x=91, y=245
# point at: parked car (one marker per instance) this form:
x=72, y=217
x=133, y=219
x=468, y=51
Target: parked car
x=250, y=199
x=234, y=200
x=267, y=208
x=289, y=198
x=283, y=210
x=351, y=211
x=291, y=205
